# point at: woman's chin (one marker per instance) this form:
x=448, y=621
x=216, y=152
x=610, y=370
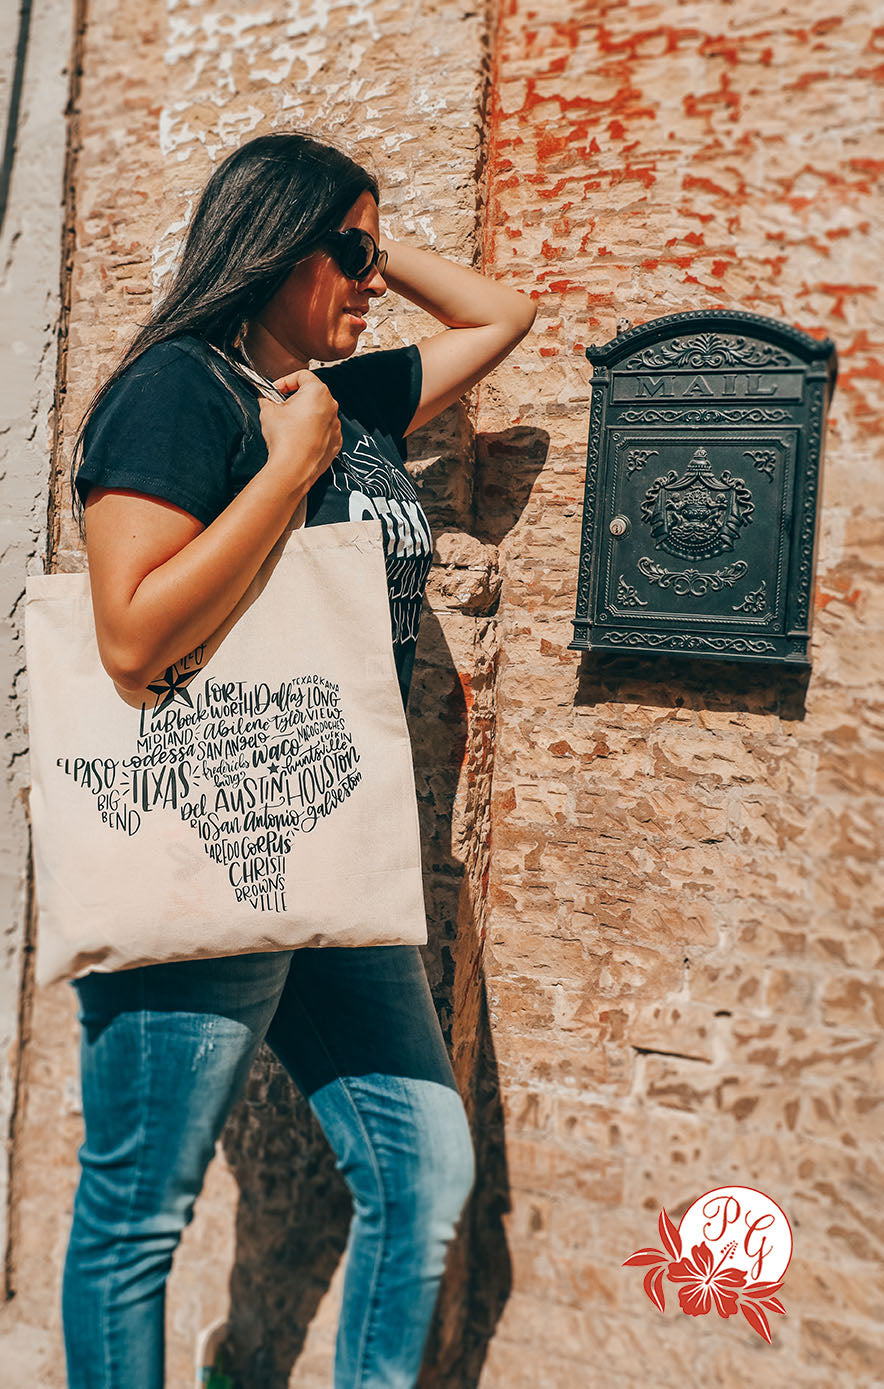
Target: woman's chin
x=344, y=346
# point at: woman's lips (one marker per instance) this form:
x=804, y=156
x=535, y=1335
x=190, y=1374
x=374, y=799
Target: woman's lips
x=357, y=316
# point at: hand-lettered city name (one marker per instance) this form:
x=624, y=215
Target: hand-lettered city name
x=245, y=766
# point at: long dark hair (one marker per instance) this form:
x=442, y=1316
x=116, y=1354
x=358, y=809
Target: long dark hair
x=266, y=207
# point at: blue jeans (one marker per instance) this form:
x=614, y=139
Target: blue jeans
x=164, y=1052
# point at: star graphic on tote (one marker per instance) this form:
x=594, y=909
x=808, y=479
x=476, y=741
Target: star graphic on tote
x=172, y=685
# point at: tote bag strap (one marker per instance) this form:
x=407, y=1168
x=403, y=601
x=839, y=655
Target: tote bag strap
x=267, y=389
x=256, y=587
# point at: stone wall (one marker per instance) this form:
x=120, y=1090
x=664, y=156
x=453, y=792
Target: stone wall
x=35, y=46
x=650, y=883
x=683, y=932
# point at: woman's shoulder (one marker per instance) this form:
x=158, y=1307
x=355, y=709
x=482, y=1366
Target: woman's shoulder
x=177, y=372
x=166, y=427
x=379, y=387
x=185, y=354
x=371, y=366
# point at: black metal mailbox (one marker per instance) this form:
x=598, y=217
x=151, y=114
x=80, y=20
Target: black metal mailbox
x=702, y=488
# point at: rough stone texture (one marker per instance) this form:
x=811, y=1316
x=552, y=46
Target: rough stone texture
x=683, y=936
x=34, y=81
x=651, y=884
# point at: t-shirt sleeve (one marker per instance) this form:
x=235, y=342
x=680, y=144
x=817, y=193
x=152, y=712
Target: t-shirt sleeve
x=380, y=389
x=163, y=429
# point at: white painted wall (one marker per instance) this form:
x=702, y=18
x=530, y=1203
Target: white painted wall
x=34, y=78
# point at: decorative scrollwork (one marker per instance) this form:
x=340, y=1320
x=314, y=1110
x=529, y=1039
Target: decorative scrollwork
x=707, y=350
x=764, y=460
x=627, y=595
x=726, y=321
x=697, y=515
x=690, y=641
x=691, y=581
x=750, y=414
x=754, y=602
x=589, y=495
x=808, y=511
x=637, y=458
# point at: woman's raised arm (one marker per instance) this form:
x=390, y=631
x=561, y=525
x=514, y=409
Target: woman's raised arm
x=484, y=321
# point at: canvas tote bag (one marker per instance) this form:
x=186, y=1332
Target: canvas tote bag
x=258, y=795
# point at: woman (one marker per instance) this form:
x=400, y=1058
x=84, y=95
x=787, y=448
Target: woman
x=188, y=477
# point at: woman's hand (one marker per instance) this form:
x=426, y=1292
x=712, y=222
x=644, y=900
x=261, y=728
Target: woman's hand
x=304, y=434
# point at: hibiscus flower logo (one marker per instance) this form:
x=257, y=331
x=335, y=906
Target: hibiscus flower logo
x=734, y=1234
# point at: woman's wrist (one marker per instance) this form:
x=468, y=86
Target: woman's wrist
x=392, y=271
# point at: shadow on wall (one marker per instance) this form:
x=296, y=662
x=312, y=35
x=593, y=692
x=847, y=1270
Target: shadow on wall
x=507, y=465
x=684, y=682
x=294, y=1207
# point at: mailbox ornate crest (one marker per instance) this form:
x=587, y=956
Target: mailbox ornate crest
x=702, y=488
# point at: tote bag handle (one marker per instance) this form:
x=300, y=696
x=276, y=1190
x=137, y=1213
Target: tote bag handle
x=297, y=520
x=267, y=389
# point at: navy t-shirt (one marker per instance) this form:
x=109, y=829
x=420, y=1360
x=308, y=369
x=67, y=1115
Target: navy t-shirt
x=169, y=427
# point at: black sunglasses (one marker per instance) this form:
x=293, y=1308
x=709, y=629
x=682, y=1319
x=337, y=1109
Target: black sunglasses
x=355, y=252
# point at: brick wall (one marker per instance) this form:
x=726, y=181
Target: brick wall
x=650, y=884
x=683, y=932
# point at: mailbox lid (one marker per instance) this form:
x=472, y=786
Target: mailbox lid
x=704, y=542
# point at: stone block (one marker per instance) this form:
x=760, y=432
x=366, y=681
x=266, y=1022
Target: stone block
x=790, y=1051
x=843, y=1292
x=652, y=920
x=464, y=575
x=853, y=1001
x=676, y=1082
x=525, y=1004
x=578, y=1066
x=849, y=1352
x=542, y=1165
x=526, y=1111
x=728, y=984
x=514, y=948
x=791, y=992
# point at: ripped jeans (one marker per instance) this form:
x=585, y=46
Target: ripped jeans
x=164, y=1052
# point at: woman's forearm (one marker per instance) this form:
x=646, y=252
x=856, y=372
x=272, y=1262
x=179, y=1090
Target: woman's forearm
x=182, y=601
x=163, y=583
x=484, y=320
x=456, y=295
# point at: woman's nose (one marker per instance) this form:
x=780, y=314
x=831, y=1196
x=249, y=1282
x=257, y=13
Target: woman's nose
x=376, y=285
